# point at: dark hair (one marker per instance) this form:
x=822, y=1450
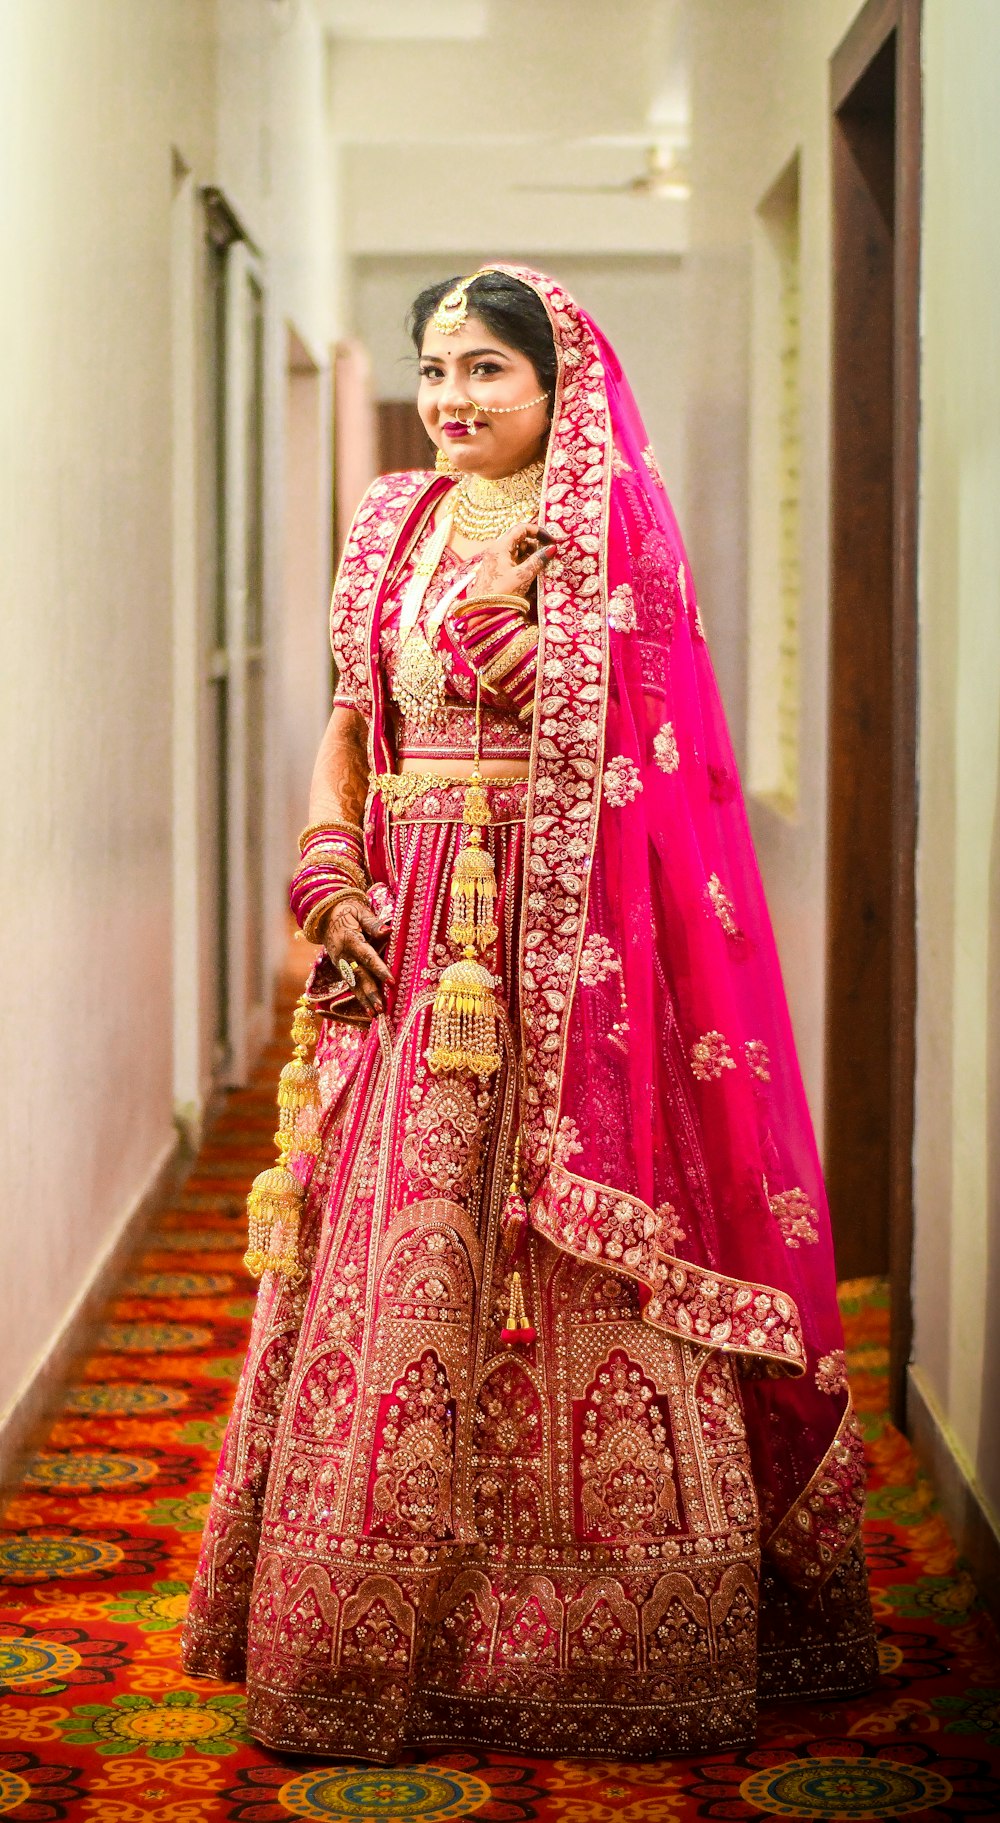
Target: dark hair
x=508, y=307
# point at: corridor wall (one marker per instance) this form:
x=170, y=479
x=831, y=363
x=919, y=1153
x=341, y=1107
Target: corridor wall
x=751, y=115
x=100, y=105
x=955, y=1378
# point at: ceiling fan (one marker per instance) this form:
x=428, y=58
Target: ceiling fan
x=666, y=176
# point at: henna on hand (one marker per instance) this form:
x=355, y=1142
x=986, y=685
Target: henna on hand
x=346, y=934
x=510, y=564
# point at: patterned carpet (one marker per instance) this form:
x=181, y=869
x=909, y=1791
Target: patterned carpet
x=97, y=1546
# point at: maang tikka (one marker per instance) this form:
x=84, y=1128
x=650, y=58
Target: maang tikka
x=453, y=309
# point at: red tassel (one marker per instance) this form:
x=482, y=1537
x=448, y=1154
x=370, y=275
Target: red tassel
x=517, y=1329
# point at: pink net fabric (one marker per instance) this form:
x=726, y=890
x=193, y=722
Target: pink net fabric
x=667, y=1122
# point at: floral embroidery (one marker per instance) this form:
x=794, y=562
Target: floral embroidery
x=649, y=458
x=621, y=780
x=597, y=960
x=441, y=1146
x=412, y=1491
x=758, y=1061
x=657, y=597
x=592, y=1221
x=369, y=542
x=722, y=905
x=665, y=748
x=619, y=464
x=567, y=1140
x=625, y=1467
x=831, y=1372
x=507, y=1448
x=672, y=1235
x=796, y=1217
x=819, y=1530
x=710, y=1056
x=621, y=609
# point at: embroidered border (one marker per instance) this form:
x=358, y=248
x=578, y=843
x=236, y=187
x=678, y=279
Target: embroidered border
x=567, y=755
x=594, y=1222
x=367, y=550
x=821, y=1526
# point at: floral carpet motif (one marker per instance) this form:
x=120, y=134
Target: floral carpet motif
x=98, y=1544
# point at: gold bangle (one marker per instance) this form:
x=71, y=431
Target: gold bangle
x=315, y=829
x=520, y=602
x=506, y=661
x=336, y=863
x=311, y=927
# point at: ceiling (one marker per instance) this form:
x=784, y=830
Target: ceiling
x=509, y=123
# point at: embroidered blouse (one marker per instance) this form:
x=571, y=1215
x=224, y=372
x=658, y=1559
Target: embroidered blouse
x=432, y=680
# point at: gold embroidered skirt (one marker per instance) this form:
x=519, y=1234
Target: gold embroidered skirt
x=421, y=1534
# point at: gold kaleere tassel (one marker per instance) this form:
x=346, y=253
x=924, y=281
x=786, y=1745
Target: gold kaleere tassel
x=276, y=1195
x=474, y=879
x=464, y=1015
x=464, y=1020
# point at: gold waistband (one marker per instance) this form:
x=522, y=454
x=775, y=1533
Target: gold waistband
x=397, y=789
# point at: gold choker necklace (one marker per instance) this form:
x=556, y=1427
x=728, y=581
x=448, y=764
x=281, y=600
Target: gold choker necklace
x=485, y=509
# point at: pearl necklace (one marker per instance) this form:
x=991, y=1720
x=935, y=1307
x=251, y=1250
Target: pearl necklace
x=485, y=509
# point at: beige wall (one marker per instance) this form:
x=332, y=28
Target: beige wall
x=957, y=1258
x=94, y=97
x=750, y=114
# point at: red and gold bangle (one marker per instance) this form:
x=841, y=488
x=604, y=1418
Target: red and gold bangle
x=323, y=829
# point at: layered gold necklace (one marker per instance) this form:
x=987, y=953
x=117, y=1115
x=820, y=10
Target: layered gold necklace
x=484, y=509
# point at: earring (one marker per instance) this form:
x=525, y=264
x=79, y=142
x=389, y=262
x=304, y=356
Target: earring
x=444, y=464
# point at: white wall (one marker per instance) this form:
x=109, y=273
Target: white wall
x=94, y=97
x=957, y=1255
x=639, y=302
x=760, y=93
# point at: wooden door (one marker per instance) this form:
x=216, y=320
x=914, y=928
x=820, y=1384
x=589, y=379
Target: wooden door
x=875, y=94
x=402, y=439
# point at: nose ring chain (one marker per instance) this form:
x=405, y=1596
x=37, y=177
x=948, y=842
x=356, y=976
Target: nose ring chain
x=493, y=411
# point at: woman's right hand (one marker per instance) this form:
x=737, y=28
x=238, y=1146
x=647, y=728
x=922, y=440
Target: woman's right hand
x=349, y=932
x=510, y=564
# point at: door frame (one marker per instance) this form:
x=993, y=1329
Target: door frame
x=239, y=653
x=875, y=23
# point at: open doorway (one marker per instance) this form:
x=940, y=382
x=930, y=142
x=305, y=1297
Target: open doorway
x=305, y=650
x=875, y=103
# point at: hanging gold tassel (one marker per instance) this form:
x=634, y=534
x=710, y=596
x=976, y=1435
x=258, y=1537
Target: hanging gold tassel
x=464, y=1020
x=464, y=1016
x=473, y=896
x=517, y=1329
x=276, y=1195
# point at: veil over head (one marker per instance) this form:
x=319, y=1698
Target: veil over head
x=664, y=1126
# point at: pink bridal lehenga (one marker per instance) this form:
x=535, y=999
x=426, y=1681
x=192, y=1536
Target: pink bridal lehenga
x=620, y=1536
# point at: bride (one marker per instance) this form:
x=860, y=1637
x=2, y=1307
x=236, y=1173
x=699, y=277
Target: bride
x=544, y=1439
